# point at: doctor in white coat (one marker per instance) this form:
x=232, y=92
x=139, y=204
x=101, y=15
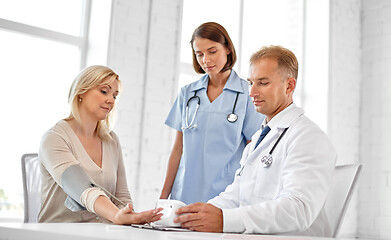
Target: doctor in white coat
x=284, y=180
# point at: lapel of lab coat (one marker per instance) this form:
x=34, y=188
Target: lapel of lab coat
x=285, y=120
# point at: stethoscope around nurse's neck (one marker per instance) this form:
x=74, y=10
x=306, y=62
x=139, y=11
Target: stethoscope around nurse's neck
x=232, y=117
x=267, y=160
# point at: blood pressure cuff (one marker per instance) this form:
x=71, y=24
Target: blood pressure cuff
x=74, y=182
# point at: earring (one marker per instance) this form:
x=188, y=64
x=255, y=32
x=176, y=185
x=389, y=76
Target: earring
x=80, y=99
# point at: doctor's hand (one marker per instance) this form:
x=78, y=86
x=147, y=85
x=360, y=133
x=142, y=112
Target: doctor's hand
x=202, y=217
x=126, y=215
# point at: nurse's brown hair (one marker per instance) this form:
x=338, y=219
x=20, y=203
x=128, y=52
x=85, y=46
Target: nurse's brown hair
x=216, y=33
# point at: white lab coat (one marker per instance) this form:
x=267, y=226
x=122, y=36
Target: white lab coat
x=289, y=195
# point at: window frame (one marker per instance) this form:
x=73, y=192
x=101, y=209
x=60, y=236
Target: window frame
x=80, y=41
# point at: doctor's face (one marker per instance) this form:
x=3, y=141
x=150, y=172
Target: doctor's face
x=271, y=92
x=211, y=56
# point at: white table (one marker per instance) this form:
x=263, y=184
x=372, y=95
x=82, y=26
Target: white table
x=85, y=231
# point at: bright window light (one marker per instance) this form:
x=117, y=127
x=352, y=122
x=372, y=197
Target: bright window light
x=35, y=78
x=40, y=58
x=299, y=25
x=61, y=15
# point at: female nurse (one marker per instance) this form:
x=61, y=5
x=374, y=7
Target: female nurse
x=214, y=118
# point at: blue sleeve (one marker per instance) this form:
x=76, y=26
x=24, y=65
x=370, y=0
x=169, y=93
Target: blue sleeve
x=252, y=120
x=174, y=118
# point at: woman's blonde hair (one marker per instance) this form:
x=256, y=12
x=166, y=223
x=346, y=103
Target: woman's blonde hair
x=87, y=79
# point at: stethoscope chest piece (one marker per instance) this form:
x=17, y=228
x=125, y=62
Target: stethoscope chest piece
x=232, y=117
x=267, y=161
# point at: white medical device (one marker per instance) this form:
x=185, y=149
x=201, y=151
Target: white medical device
x=169, y=208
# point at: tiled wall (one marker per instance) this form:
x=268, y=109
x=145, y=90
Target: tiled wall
x=144, y=50
x=360, y=108
x=344, y=92
x=374, y=217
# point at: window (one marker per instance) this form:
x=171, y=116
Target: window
x=43, y=46
x=299, y=25
x=194, y=14
x=251, y=24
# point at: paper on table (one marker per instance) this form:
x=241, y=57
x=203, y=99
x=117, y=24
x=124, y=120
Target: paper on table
x=161, y=228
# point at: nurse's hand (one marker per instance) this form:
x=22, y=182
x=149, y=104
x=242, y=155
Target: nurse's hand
x=126, y=215
x=202, y=217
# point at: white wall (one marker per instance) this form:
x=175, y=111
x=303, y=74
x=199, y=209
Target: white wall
x=144, y=50
x=374, y=217
x=360, y=108
x=344, y=91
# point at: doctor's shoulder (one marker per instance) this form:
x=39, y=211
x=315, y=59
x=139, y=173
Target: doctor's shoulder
x=309, y=137
x=303, y=127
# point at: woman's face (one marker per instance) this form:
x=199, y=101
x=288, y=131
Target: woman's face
x=211, y=56
x=99, y=101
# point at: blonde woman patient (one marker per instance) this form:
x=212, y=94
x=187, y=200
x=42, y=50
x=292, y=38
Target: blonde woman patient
x=83, y=174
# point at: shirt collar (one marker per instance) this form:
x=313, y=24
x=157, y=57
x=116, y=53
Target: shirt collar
x=284, y=118
x=202, y=83
x=231, y=84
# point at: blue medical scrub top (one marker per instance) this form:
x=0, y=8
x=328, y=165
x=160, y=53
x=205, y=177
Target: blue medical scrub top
x=212, y=150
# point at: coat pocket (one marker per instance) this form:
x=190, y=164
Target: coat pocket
x=268, y=179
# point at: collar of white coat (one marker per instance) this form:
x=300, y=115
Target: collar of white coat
x=231, y=84
x=282, y=120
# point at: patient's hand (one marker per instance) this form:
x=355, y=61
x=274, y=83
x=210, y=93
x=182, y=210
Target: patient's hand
x=126, y=215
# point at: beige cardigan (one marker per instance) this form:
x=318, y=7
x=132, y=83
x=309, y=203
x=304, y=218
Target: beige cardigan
x=60, y=148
